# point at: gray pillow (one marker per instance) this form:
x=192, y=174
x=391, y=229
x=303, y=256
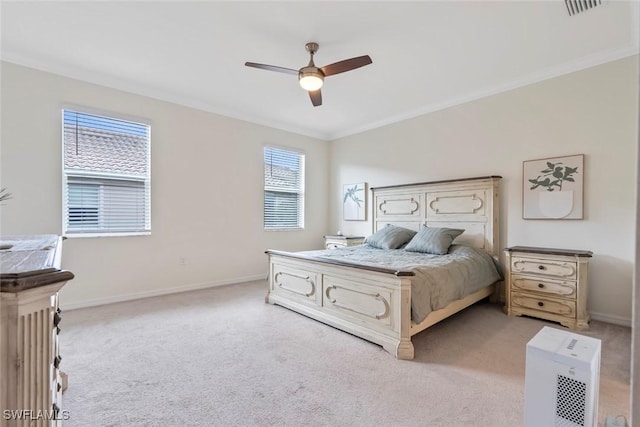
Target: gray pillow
x=390, y=237
x=433, y=240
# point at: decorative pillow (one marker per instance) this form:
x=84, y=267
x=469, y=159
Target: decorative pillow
x=390, y=237
x=433, y=240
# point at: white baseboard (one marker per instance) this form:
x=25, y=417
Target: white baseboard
x=608, y=318
x=159, y=292
x=601, y=317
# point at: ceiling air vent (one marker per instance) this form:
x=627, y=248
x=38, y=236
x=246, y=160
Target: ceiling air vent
x=576, y=6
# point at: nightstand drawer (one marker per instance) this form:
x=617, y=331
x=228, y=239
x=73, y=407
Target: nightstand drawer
x=559, y=288
x=335, y=242
x=531, y=302
x=334, y=245
x=545, y=267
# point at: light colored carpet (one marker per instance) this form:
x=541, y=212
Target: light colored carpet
x=221, y=357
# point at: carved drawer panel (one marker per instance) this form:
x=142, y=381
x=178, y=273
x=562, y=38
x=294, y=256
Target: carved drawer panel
x=565, y=289
x=297, y=283
x=399, y=205
x=564, y=308
x=369, y=304
x=456, y=204
x=546, y=267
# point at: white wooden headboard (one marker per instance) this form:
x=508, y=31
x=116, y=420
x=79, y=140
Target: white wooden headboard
x=470, y=204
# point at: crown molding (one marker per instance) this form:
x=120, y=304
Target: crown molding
x=546, y=74
x=167, y=96
x=92, y=77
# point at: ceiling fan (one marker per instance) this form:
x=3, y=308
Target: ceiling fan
x=312, y=77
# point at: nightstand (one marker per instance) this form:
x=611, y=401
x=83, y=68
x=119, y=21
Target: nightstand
x=548, y=283
x=334, y=242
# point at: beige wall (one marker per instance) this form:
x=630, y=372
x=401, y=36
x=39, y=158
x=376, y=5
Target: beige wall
x=593, y=112
x=207, y=182
x=207, y=191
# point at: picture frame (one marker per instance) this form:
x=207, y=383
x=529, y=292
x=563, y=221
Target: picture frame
x=552, y=188
x=354, y=202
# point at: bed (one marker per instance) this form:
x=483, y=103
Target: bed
x=358, y=292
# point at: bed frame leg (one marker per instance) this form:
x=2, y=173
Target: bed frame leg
x=402, y=350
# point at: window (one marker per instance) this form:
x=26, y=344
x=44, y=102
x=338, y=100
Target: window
x=283, y=189
x=106, y=175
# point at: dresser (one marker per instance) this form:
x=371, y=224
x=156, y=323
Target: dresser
x=334, y=242
x=548, y=283
x=30, y=278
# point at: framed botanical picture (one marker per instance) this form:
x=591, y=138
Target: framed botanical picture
x=354, y=202
x=552, y=188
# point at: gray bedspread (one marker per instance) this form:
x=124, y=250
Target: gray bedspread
x=439, y=279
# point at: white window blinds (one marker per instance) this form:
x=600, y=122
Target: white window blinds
x=106, y=175
x=283, y=189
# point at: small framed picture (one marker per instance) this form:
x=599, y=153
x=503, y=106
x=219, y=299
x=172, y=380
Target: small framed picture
x=553, y=188
x=354, y=202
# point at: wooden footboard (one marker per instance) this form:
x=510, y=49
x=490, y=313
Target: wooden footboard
x=373, y=304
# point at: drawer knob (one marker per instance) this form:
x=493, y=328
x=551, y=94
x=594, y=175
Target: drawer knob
x=540, y=304
x=541, y=267
x=540, y=285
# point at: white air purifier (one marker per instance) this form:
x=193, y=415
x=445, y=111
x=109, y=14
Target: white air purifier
x=562, y=379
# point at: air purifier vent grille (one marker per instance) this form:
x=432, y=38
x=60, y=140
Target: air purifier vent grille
x=570, y=402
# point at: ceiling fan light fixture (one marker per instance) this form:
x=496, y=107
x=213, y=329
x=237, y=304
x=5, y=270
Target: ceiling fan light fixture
x=310, y=79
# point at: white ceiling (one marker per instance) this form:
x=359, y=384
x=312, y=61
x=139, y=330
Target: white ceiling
x=426, y=55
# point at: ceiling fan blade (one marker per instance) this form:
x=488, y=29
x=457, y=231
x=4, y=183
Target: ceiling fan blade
x=346, y=65
x=271, y=68
x=316, y=97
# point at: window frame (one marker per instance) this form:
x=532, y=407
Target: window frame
x=300, y=192
x=104, y=176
